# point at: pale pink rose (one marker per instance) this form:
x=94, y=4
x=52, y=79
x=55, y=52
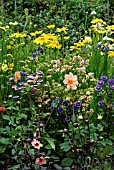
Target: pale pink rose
x=71, y=81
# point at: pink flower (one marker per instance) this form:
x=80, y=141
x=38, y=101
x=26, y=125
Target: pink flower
x=36, y=144
x=71, y=81
x=40, y=161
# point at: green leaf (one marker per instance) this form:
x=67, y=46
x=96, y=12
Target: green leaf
x=65, y=146
x=5, y=141
x=51, y=142
x=6, y=117
x=13, y=151
x=67, y=162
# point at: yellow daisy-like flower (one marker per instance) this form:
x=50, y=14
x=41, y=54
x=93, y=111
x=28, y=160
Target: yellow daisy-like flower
x=94, y=21
x=79, y=44
x=11, y=66
x=33, y=34
x=41, y=40
x=51, y=26
x=110, y=27
x=67, y=38
x=87, y=40
x=39, y=32
x=101, y=31
x=111, y=53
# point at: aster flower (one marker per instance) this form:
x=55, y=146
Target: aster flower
x=67, y=118
x=71, y=81
x=112, y=86
x=74, y=108
x=40, y=161
x=36, y=144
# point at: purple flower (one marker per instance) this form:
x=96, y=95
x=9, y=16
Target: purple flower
x=103, y=78
x=34, y=55
x=106, y=48
x=78, y=104
x=65, y=103
x=98, y=88
x=112, y=86
x=34, y=74
x=74, y=108
x=21, y=73
x=22, y=83
x=33, y=92
x=15, y=97
x=40, y=81
x=67, y=118
x=60, y=110
x=100, y=83
x=11, y=79
x=101, y=103
x=18, y=88
x=99, y=44
x=40, y=73
x=110, y=81
x=26, y=74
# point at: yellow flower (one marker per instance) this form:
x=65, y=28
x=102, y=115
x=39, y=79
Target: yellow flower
x=110, y=27
x=9, y=47
x=41, y=40
x=94, y=21
x=11, y=42
x=61, y=29
x=51, y=26
x=11, y=66
x=101, y=31
x=111, y=53
x=4, y=67
x=79, y=44
x=87, y=40
x=33, y=34
x=67, y=38
x=39, y=32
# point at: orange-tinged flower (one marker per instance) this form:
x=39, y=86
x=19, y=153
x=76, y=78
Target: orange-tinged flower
x=2, y=109
x=17, y=76
x=71, y=81
x=40, y=161
x=36, y=144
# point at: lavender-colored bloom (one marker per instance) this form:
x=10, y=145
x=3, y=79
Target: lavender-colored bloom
x=26, y=74
x=60, y=110
x=100, y=83
x=18, y=88
x=74, y=108
x=40, y=81
x=65, y=103
x=33, y=92
x=21, y=73
x=103, y=78
x=38, y=52
x=28, y=79
x=22, y=83
x=106, y=48
x=78, y=104
x=110, y=81
x=10, y=82
x=67, y=118
x=34, y=55
x=40, y=73
x=112, y=86
x=109, y=92
x=99, y=44
x=34, y=74
x=101, y=103
x=98, y=88
x=11, y=79
x=15, y=97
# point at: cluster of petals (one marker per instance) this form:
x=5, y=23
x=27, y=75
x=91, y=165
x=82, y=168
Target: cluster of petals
x=71, y=81
x=36, y=144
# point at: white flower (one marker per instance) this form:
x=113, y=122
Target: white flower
x=93, y=13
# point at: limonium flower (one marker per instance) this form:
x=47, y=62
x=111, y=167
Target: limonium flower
x=36, y=144
x=71, y=81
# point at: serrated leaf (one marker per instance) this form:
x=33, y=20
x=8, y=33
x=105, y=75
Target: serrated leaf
x=67, y=162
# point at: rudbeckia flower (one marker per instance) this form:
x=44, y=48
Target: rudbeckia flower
x=71, y=81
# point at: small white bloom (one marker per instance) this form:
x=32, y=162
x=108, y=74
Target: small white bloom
x=99, y=117
x=93, y=13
